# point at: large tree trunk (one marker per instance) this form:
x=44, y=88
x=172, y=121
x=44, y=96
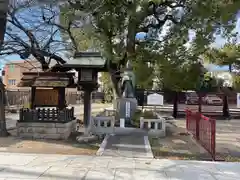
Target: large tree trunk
x=3, y=21
x=131, y=40
x=116, y=88
x=3, y=129
x=226, y=113
x=175, y=105
x=200, y=95
x=230, y=68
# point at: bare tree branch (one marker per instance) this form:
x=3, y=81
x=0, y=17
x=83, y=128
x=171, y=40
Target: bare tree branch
x=157, y=11
x=36, y=37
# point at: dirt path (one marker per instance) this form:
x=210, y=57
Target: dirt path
x=70, y=146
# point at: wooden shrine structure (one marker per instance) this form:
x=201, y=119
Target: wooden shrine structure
x=48, y=103
x=47, y=97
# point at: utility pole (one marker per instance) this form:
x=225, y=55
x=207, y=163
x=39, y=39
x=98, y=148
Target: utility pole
x=3, y=22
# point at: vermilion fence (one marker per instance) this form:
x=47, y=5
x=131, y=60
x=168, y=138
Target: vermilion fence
x=203, y=130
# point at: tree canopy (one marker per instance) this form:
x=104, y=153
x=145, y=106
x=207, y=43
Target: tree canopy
x=112, y=27
x=227, y=55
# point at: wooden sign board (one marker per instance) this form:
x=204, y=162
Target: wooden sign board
x=155, y=99
x=46, y=97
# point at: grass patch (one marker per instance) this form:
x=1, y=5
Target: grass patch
x=163, y=152
x=228, y=158
x=145, y=115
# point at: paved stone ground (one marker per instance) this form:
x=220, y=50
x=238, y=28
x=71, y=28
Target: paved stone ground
x=126, y=145
x=227, y=136
x=66, y=167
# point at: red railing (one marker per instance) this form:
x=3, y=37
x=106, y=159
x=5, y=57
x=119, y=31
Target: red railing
x=203, y=130
x=191, y=123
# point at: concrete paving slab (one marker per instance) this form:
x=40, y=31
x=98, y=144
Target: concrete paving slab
x=15, y=159
x=131, y=145
x=51, y=161
x=142, y=174
x=22, y=172
x=122, y=174
x=58, y=173
x=100, y=173
x=118, y=168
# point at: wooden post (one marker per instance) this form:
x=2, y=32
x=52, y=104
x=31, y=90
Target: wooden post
x=33, y=93
x=87, y=107
x=61, y=98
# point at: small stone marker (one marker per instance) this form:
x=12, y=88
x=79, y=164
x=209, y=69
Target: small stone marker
x=122, y=122
x=128, y=109
x=155, y=99
x=238, y=100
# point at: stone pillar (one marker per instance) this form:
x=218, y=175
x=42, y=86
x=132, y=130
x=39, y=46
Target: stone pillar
x=87, y=107
x=126, y=108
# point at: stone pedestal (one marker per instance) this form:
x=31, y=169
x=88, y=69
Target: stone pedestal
x=45, y=130
x=126, y=107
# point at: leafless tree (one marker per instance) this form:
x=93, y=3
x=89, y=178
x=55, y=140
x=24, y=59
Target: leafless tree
x=33, y=30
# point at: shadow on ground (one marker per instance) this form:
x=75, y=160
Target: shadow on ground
x=177, y=145
x=227, y=138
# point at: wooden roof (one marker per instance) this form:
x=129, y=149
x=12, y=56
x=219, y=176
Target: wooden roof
x=47, y=79
x=80, y=60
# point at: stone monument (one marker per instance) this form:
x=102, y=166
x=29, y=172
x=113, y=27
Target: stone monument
x=127, y=103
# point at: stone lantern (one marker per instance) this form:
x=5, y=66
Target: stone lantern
x=87, y=64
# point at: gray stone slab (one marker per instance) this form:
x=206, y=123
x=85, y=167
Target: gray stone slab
x=224, y=177
x=189, y=175
x=127, y=163
x=228, y=169
x=22, y=172
x=130, y=145
x=124, y=174
x=61, y=161
x=100, y=173
x=59, y=173
x=105, y=167
x=16, y=159
x=149, y=175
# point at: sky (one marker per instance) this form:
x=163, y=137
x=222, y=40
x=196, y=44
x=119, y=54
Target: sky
x=218, y=43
